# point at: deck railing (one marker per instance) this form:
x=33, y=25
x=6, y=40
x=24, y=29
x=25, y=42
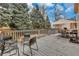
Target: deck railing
x=16, y=34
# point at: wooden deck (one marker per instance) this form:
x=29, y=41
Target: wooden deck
x=52, y=45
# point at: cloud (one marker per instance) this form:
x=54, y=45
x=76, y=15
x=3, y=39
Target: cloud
x=70, y=13
x=60, y=7
x=49, y=4
x=69, y=9
x=30, y=6
x=61, y=16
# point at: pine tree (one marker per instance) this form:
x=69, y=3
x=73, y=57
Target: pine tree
x=37, y=19
x=4, y=16
x=47, y=23
x=20, y=16
x=15, y=16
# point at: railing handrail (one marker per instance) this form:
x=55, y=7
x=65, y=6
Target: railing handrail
x=16, y=34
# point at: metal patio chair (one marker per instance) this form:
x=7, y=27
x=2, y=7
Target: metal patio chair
x=74, y=37
x=29, y=43
x=8, y=45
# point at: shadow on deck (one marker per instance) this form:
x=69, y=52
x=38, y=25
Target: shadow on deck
x=52, y=45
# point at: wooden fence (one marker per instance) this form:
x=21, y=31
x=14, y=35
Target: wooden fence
x=16, y=34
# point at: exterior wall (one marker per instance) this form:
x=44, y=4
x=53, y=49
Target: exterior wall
x=69, y=26
x=76, y=9
x=77, y=18
x=78, y=25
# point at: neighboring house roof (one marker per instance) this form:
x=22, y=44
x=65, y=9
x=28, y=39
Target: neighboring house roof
x=63, y=21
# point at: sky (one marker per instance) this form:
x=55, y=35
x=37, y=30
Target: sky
x=65, y=10
x=62, y=10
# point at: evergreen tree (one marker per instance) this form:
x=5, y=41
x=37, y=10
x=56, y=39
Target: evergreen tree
x=47, y=23
x=20, y=16
x=15, y=15
x=4, y=17
x=36, y=19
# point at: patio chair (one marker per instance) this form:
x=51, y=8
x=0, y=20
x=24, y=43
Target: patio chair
x=30, y=43
x=74, y=38
x=8, y=45
x=26, y=38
